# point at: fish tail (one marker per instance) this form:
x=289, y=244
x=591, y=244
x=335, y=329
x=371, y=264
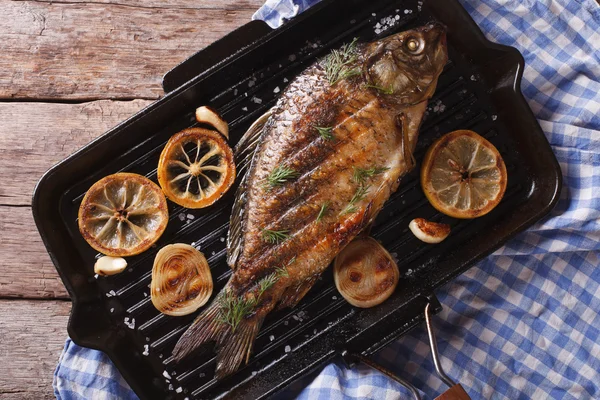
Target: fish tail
x=234, y=345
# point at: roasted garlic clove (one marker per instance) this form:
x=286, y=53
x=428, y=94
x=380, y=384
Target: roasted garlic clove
x=108, y=265
x=206, y=115
x=429, y=232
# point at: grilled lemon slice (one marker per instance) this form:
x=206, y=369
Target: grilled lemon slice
x=463, y=175
x=196, y=168
x=123, y=214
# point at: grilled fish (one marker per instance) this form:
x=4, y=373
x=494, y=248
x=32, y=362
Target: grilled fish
x=322, y=163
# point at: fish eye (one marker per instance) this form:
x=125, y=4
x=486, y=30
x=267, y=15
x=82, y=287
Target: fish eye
x=414, y=45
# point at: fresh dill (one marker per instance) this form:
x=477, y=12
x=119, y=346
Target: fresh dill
x=280, y=175
x=325, y=132
x=338, y=63
x=360, y=194
x=323, y=210
x=362, y=174
x=282, y=271
x=274, y=237
x=347, y=73
x=383, y=90
x=265, y=283
x=234, y=308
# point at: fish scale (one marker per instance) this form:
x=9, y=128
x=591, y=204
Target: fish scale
x=376, y=110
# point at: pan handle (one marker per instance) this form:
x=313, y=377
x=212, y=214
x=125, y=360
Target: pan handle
x=455, y=391
x=214, y=54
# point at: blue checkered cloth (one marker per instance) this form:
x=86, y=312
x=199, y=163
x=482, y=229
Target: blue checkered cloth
x=525, y=322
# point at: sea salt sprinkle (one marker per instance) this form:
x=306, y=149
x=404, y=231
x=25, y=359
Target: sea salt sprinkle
x=146, y=350
x=386, y=23
x=111, y=294
x=287, y=349
x=271, y=338
x=130, y=324
x=179, y=389
x=256, y=100
x=166, y=374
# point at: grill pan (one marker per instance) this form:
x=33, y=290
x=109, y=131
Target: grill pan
x=239, y=75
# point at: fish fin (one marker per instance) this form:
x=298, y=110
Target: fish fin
x=293, y=294
x=244, y=152
x=233, y=346
x=245, y=148
x=402, y=123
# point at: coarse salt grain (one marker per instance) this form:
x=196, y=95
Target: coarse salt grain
x=256, y=100
x=276, y=90
x=244, y=108
x=166, y=375
x=190, y=216
x=292, y=57
x=112, y=309
x=111, y=293
x=181, y=216
x=222, y=239
x=287, y=349
x=179, y=389
x=96, y=276
x=494, y=117
x=285, y=80
x=130, y=324
x=146, y=352
x=271, y=338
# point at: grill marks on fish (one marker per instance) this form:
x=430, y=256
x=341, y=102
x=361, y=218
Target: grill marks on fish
x=366, y=133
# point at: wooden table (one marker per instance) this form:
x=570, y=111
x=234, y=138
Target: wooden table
x=70, y=70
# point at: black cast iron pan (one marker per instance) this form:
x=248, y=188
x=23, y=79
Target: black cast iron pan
x=239, y=75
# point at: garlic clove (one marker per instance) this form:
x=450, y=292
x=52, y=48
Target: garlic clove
x=108, y=265
x=206, y=115
x=429, y=232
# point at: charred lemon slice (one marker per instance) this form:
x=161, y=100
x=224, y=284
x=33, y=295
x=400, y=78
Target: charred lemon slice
x=123, y=214
x=463, y=175
x=196, y=168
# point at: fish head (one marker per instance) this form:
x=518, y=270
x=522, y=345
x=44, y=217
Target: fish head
x=408, y=63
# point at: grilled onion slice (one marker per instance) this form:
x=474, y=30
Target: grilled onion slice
x=365, y=274
x=181, y=280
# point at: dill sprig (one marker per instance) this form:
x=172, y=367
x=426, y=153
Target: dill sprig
x=265, y=283
x=280, y=175
x=383, y=90
x=360, y=194
x=362, y=174
x=282, y=271
x=325, y=132
x=323, y=210
x=274, y=237
x=337, y=63
x=234, y=308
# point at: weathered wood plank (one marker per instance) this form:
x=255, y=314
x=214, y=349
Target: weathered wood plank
x=26, y=269
x=172, y=4
x=32, y=336
x=85, y=51
x=34, y=136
